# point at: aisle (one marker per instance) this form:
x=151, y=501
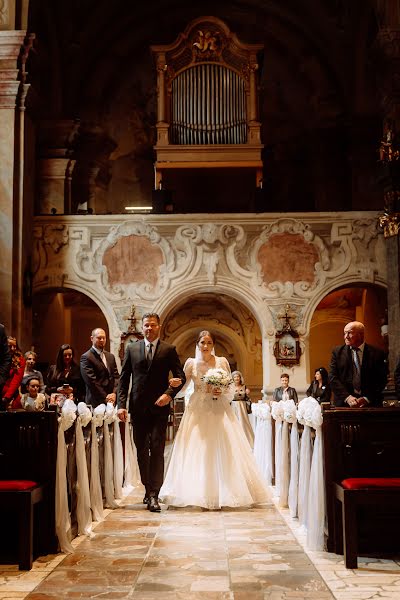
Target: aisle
x=187, y=554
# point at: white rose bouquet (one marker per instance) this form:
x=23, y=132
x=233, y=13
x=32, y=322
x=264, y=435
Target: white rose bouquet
x=217, y=378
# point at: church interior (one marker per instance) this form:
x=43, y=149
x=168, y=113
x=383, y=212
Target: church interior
x=231, y=166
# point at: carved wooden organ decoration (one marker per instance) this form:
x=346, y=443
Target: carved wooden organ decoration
x=207, y=100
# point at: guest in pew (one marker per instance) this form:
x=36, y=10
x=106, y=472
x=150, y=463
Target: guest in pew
x=99, y=371
x=30, y=362
x=241, y=404
x=65, y=371
x=284, y=392
x=11, y=396
x=5, y=360
x=320, y=388
x=33, y=399
x=358, y=371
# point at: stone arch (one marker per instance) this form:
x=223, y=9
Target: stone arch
x=361, y=301
x=227, y=286
x=67, y=315
x=235, y=325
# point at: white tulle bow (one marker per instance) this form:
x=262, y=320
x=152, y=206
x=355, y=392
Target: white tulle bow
x=277, y=411
x=98, y=415
x=85, y=413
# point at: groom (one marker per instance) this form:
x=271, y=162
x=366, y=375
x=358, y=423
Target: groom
x=149, y=363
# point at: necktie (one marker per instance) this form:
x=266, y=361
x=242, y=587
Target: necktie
x=356, y=370
x=103, y=358
x=150, y=354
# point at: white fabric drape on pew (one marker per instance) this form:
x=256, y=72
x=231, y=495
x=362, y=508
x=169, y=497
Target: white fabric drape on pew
x=316, y=495
x=263, y=440
x=83, y=512
x=63, y=519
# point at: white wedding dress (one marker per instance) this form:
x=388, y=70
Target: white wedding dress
x=211, y=463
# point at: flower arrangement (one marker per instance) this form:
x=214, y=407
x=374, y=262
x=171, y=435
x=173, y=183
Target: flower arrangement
x=217, y=378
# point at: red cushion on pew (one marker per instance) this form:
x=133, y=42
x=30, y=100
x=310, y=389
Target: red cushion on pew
x=359, y=483
x=17, y=485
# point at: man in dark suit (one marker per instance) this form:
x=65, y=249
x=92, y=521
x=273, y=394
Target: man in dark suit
x=357, y=372
x=5, y=360
x=99, y=371
x=149, y=363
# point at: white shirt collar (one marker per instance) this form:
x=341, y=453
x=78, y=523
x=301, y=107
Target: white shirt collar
x=155, y=342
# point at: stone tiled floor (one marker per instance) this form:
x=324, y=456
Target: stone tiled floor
x=191, y=554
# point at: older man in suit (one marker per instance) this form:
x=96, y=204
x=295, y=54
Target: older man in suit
x=149, y=363
x=358, y=371
x=99, y=371
x=5, y=359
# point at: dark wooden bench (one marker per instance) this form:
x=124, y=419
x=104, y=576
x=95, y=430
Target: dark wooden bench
x=362, y=491
x=28, y=454
x=361, y=444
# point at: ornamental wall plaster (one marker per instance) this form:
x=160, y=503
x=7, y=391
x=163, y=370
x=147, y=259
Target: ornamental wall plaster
x=219, y=257
x=4, y=12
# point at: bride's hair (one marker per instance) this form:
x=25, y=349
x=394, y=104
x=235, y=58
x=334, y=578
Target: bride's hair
x=204, y=333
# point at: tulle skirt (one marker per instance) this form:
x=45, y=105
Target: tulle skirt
x=240, y=410
x=211, y=463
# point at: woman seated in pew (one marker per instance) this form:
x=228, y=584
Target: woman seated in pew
x=11, y=397
x=30, y=362
x=320, y=388
x=65, y=372
x=33, y=399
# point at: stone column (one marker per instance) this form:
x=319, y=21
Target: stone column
x=14, y=49
x=388, y=46
x=55, y=165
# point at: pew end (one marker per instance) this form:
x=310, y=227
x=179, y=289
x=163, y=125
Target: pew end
x=28, y=454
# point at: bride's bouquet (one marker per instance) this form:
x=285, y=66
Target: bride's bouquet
x=217, y=378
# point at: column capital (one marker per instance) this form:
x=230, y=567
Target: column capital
x=14, y=50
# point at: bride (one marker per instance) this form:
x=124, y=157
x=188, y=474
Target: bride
x=211, y=463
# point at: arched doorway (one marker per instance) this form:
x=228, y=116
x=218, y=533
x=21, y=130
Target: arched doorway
x=365, y=303
x=63, y=316
x=237, y=332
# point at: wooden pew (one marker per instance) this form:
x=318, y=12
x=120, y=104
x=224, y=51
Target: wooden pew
x=362, y=443
x=28, y=452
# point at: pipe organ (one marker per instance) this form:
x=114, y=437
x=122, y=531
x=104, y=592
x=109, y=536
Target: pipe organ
x=207, y=105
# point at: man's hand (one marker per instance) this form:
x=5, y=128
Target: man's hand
x=354, y=402
x=122, y=414
x=163, y=400
x=111, y=398
x=351, y=401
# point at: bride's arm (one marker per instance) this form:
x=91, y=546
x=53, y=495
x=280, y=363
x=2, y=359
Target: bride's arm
x=188, y=369
x=229, y=391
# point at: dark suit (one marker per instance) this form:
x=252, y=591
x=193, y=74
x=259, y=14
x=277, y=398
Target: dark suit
x=373, y=374
x=99, y=380
x=149, y=420
x=5, y=359
x=278, y=392
x=397, y=378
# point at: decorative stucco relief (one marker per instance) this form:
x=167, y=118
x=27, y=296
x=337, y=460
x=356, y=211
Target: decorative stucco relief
x=201, y=248
x=131, y=261
x=49, y=248
x=366, y=241
x=3, y=12
x=133, y=258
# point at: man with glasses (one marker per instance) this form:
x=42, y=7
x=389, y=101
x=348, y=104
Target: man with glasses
x=358, y=371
